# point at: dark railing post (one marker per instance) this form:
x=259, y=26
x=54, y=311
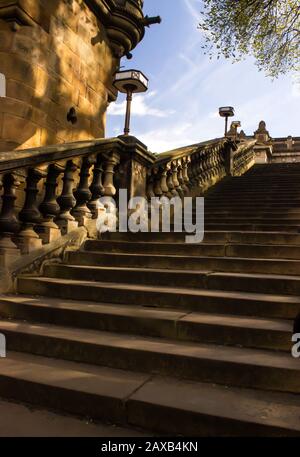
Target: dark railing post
x=110, y=161
x=28, y=239
x=96, y=187
x=48, y=230
x=9, y=225
x=65, y=221
x=83, y=194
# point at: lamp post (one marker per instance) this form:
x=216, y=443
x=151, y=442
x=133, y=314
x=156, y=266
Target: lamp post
x=130, y=82
x=226, y=111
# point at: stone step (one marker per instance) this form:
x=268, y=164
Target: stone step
x=253, y=213
x=203, y=249
x=239, y=367
x=202, y=400
x=260, y=211
x=256, y=196
x=263, y=219
x=217, y=250
x=204, y=301
x=80, y=389
x=172, y=324
x=261, y=251
x=210, y=237
x=230, y=204
x=151, y=403
x=181, y=262
x=259, y=199
x=229, y=226
x=260, y=185
x=260, y=283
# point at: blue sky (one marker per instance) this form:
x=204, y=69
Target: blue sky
x=186, y=88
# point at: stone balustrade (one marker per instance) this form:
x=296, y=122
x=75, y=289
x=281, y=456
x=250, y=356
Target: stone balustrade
x=194, y=169
x=243, y=158
x=49, y=192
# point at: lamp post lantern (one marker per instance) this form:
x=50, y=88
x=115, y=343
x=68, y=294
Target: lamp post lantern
x=226, y=111
x=130, y=82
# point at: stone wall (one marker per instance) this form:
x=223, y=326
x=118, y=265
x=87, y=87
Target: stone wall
x=55, y=56
x=286, y=150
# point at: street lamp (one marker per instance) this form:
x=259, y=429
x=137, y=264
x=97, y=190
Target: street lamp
x=130, y=82
x=226, y=111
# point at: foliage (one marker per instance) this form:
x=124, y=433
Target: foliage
x=267, y=29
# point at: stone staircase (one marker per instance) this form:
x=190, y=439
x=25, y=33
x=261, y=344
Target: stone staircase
x=147, y=331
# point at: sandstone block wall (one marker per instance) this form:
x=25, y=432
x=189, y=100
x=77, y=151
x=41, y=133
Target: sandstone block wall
x=62, y=60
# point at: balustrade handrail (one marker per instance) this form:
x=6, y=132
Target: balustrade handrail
x=34, y=157
x=187, y=151
x=195, y=168
x=51, y=191
x=244, y=144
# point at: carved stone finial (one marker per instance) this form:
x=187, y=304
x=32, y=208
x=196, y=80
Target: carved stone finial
x=232, y=130
x=262, y=134
x=290, y=142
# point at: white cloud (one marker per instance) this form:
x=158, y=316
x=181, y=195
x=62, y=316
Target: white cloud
x=181, y=133
x=139, y=107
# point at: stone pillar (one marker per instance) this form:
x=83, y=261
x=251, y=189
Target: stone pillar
x=185, y=172
x=96, y=188
x=135, y=163
x=150, y=184
x=160, y=181
x=9, y=224
x=175, y=169
x=83, y=194
x=65, y=221
x=181, y=188
x=28, y=239
x=48, y=230
x=171, y=187
x=110, y=161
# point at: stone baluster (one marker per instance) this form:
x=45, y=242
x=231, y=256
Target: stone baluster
x=9, y=225
x=65, y=221
x=185, y=173
x=151, y=183
x=158, y=176
x=202, y=168
x=83, y=194
x=181, y=189
x=193, y=170
x=28, y=239
x=175, y=171
x=110, y=162
x=164, y=180
x=171, y=188
x=96, y=188
x=48, y=229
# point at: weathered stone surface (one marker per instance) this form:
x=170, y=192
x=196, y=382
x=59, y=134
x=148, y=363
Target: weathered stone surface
x=58, y=57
